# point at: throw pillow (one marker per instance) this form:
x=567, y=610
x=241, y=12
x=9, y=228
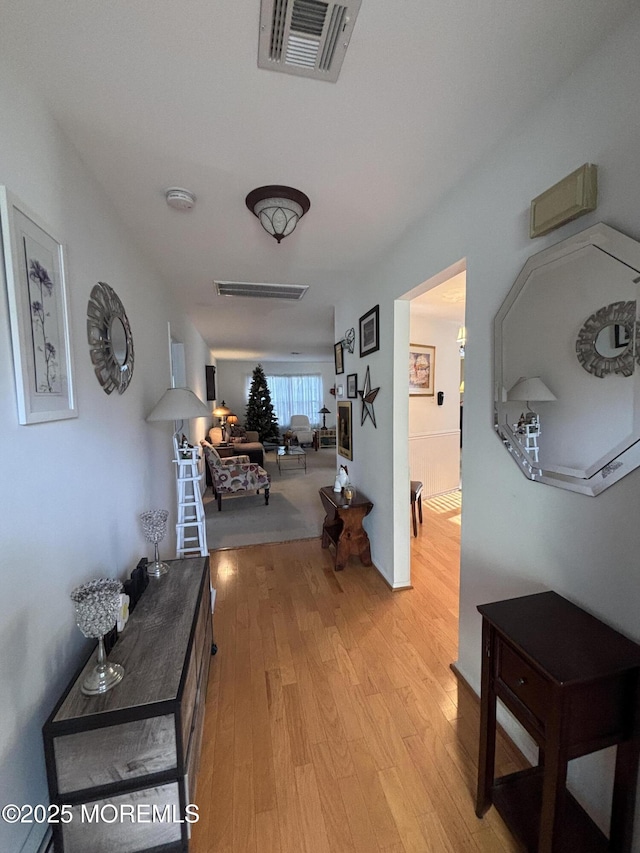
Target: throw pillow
x=239, y=439
x=238, y=431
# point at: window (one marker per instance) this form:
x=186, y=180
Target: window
x=294, y=395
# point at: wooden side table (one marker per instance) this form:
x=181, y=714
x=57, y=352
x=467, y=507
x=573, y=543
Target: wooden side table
x=324, y=438
x=572, y=682
x=343, y=528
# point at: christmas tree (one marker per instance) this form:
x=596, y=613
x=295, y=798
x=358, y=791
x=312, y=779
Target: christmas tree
x=260, y=416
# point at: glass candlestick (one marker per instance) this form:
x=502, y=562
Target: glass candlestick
x=97, y=605
x=154, y=524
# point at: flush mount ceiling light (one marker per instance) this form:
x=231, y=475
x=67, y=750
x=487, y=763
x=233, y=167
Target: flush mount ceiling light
x=278, y=208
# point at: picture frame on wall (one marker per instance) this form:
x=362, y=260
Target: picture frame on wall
x=369, y=326
x=345, y=434
x=210, y=379
x=338, y=357
x=38, y=313
x=422, y=370
x=352, y=386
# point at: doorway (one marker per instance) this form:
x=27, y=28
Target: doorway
x=430, y=330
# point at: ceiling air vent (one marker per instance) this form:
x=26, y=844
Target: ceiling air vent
x=261, y=291
x=306, y=37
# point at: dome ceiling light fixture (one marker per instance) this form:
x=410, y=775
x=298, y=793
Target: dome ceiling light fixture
x=278, y=208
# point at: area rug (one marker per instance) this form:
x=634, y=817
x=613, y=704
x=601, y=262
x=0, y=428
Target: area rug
x=294, y=511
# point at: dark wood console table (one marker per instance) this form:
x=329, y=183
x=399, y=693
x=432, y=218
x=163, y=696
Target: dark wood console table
x=572, y=682
x=343, y=526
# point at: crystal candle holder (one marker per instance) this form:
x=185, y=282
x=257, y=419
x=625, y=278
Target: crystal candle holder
x=97, y=605
x=154, y=525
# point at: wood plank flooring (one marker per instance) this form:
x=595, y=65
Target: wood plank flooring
x=334, y=723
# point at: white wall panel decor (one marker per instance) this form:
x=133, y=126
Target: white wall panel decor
x=434, y=459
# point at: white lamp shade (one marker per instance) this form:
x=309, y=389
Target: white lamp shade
x=533, y=390
x=178, y=404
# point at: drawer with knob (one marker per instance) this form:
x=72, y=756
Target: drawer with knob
x=522, y=682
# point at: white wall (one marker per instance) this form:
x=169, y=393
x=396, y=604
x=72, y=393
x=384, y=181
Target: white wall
x=434, y=431
x=231, y=380
x=425, y=416
x=71, y=491
x=518, y=536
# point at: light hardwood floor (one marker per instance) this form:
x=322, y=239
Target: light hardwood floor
x=333, y=721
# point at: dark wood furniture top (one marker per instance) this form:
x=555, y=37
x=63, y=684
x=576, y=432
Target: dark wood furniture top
x=342, y=526
x=139, y=743
x=572, y=682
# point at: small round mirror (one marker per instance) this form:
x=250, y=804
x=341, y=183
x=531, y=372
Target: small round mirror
x=118, y=337
x=612, y=340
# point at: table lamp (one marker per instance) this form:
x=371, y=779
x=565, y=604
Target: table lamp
x=324, y=412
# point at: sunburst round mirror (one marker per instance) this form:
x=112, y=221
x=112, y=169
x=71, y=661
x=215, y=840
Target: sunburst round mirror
x=110, y=339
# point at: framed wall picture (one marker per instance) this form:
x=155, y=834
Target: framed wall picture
x=345, y=437
x=337, y=353
x=38, y=314
x=370, y=331
x=210, y=377
x=422, y=370
x=352, y=386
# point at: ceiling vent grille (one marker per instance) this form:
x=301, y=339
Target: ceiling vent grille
x=306, y=37
x=261, y=291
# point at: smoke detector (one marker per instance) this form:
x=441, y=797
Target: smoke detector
x=179, y=199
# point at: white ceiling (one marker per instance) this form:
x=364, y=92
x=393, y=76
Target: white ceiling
x=168, y=93
x=447, y=301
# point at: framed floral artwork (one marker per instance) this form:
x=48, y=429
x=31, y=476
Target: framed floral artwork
x=38, y=314
x=422, y=370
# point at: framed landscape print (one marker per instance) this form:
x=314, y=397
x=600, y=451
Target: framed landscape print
x=345, y=440
x=422, y=368
x=38, y=313
x=369, y=331
x=337, y=352
x=352, y=386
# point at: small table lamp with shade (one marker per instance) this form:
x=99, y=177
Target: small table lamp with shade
x=224, y=413
x=324, y=412
x=527, y=430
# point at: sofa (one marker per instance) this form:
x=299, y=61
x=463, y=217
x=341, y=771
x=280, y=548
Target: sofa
x=243, y=441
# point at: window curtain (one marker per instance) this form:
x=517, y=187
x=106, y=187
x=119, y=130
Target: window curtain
x=294, y=395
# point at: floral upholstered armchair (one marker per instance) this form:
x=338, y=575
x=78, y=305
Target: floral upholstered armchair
x=235, y=474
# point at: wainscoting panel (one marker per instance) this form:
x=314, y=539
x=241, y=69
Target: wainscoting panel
x=434, y=459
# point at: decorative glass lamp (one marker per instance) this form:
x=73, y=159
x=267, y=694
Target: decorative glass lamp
x=97, y=605
x=154, y=524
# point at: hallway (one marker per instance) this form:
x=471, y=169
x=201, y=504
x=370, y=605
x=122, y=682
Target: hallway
x=334, y=722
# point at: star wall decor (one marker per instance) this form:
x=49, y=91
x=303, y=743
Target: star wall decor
x=368, y=395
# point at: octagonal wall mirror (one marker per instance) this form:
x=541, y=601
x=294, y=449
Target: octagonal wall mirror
x=567, y=334
x=110, y=339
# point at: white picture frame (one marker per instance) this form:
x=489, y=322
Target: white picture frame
x=34, y=266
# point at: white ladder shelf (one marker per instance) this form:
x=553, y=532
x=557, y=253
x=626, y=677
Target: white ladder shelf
x=191, y=535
